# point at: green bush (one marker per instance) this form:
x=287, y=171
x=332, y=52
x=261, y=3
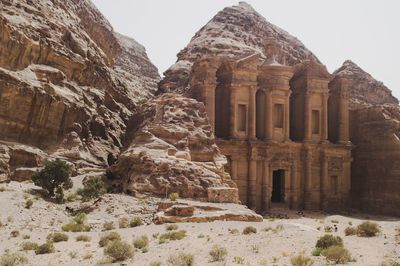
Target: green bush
x=337, y=254
x=46, y=248
x=173, y=235
x=368, y=229
x=301, y=260
x=119, y=250
x=249, y=230
x=57, y=237
x=93, y=188
x=326, y=241
x=12, y=259
x=55, y=174
x=108, y=238
x=74, y=227
x=141, y=242
x=171, y=227
x=80, y=218
x=218, y=253
x=29, y=246
x=317, y=252
x=181, y=259
x=83, y=238
x=136, y=221
x=28, y=203
x=174, y=196
x=350, y=231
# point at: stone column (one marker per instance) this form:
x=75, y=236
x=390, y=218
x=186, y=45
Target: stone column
x=265, y=189
x=287, y=118
x=324, y=181
x=209, y=92
x=252, y=191
x=293, y=186
x=307, y=117
x=324, y=118
x=233, y=104
x=343, y=120
x=252, y=112
x=308, y=179
x=268, y=121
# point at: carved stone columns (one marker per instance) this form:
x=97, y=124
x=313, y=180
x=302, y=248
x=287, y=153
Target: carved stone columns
x=252, y=112
x=307, y=117
x=268, y=120
x=324, y=118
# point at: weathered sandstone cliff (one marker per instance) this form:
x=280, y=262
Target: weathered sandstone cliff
x=173, y=150
x=68, y=85
x=234, y=31
x=375, y=132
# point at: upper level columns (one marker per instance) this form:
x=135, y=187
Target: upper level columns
x=287, y=118
x=268, y=117
x=324, y=117
x=343, y=120
x=233, y=103
x=252, y=112
x=307, y=117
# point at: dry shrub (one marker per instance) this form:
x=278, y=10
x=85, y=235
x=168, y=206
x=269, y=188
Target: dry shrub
x=119, y=250
x=301, y=260
x=249, y=230
x=368, y=229
x=108, y=238
x=336, y=254
x=181, y=259
x=218, y=253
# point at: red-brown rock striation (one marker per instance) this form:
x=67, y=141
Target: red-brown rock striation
x=173, y=150
x=68, y=83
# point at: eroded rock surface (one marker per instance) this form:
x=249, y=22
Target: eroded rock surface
x=173, y=150
x=68, y=83
x=235, y=31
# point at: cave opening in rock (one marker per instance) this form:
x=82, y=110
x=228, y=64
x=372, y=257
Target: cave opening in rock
x=278, y=186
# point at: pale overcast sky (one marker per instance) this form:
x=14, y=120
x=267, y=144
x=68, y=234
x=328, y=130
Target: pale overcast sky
x=365, y=31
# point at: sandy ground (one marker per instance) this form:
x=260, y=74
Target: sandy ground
x=299, y=234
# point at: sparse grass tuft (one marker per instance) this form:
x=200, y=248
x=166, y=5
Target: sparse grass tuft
x=155, y=263
x=181, y=259
x=119, y=250
x=108, y=238
x=46, y=248
x=107, y=226
x=171, y=227
x=83, y=238
x=12, y=259
x=233, y=231
x=317, y=252
x=337, y=254
x=327, y=241
x=141, y=242
x=238, y=260
x=80, y=218
x=174, y=196
x=350, y=231
x=74, y=227
x=173, y=235
x=397, y=234
x=14, y=233
x=249, y=230
x=57, y=237
x=123, y=222
x=28, y=203
x=328, y=229
x=29, y=246
x=301, y=260
x=218, y=253
x=368, y=229
x=136, y=221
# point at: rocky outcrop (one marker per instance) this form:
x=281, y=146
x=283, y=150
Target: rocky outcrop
x=364, y=90
x=186, y=211
x=68, y=83
x=173, y=150
x=375, y=133
x=235, y=31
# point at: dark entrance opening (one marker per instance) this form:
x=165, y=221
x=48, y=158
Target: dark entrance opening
x=278, y=186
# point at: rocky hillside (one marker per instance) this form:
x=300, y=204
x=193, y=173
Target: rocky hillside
x=68, y=85
x=365, y=90
x=236, y=30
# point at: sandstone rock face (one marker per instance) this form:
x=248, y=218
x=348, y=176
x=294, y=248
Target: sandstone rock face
x=173, y=150
x=365, y=90
x=68, y=83
x=187, y=211
x=235, y=31
x=375, y=132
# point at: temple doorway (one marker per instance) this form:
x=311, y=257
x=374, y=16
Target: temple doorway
x=278, y=186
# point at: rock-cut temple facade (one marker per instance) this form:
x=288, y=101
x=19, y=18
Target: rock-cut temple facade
x=284, y=130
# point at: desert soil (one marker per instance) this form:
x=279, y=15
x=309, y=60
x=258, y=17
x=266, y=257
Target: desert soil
x=266, y=247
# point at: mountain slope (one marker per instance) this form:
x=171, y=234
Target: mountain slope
x=236, y=30
x=68, y=84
